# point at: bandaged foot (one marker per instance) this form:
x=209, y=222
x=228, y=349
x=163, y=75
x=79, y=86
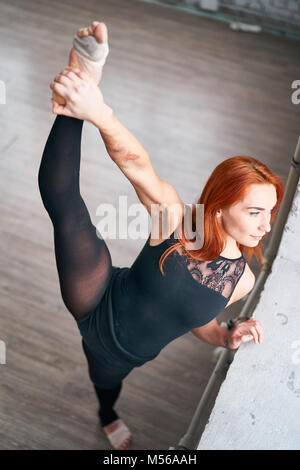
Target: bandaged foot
x=118, y=434
x=89, y=53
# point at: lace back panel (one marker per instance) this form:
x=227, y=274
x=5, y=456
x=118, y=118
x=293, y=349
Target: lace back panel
x=221, y=274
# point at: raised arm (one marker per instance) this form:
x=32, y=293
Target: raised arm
x=84, y=100
x=134, y=161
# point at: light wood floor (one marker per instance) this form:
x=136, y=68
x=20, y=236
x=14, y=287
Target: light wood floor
x=194, y=92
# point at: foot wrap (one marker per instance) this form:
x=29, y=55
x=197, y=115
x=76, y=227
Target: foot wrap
x=117, y=437
x=89, y=49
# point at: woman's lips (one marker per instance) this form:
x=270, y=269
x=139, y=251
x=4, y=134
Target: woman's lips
x=256, y=238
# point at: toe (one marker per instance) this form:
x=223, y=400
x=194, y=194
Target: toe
x=124, y=445
x=100, y=32
x=83, y=32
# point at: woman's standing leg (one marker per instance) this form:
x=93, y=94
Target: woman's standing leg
x=83, y=259
x=107, y=381
x=107, y=399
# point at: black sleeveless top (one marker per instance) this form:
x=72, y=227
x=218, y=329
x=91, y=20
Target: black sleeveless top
x=150, y=310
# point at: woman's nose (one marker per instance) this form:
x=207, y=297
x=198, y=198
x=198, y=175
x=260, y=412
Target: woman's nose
x=265, y=224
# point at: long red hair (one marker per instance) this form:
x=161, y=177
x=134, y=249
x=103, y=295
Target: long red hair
x=227, y=185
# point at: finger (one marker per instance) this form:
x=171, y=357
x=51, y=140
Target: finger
x=260, y=332
x=60, y=89
x=248, y=325
x=259, y=328
x=56, y=108
x=63, y=80
x=79, y=73
x=254, y=334
x=67, y=78
x=59, y=109
x=65, y=91
x=71, y=90
x=246, y=338
x=71, y=74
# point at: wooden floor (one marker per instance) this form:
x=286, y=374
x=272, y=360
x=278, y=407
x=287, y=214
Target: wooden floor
x=194, y=92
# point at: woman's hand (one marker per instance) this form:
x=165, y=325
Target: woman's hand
x=245, y=331
x=83, y=97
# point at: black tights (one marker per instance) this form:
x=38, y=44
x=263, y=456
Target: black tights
x=107, y=399
x=82, y=258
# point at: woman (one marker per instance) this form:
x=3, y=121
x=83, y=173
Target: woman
x=127, y=315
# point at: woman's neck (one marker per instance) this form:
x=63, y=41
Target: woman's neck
x=231, y=250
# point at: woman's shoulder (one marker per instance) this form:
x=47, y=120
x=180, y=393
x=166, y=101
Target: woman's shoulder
x=158, y=236
x=244, y=285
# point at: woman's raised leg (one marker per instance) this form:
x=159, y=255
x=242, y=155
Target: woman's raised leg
x=83, y=259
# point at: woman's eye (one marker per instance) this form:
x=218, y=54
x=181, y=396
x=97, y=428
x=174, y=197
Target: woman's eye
x=255, y=213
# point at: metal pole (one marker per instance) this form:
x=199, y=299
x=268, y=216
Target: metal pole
x=285, y=207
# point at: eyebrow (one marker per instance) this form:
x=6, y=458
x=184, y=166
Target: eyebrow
x=259, y=208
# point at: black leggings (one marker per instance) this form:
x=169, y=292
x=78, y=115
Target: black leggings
x=82, y=258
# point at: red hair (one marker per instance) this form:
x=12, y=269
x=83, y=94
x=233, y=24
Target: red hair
x=227, y=185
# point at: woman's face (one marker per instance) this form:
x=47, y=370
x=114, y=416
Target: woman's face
x=250, y=218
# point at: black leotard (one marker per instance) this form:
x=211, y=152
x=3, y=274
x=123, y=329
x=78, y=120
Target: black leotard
x=149, y=310
x=125, y=315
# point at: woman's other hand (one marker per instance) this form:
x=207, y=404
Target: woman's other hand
x=245, y=331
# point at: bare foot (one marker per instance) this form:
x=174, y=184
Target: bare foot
x=116, y=425
x=99, y=30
